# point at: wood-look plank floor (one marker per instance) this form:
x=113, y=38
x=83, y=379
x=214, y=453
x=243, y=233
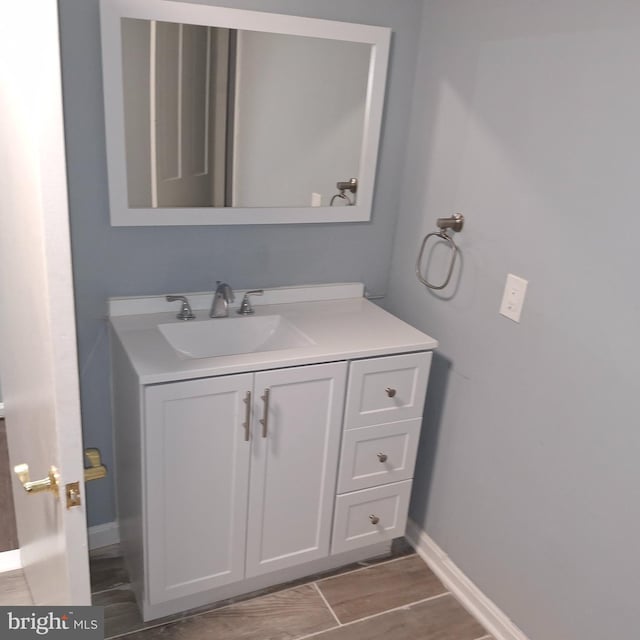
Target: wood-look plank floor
x=13, y=589
x=107, y=569
x=440, y=618
x=285, y=615
x=8, y=534
x=398, y=599
x=363, y=593
x=121, y=611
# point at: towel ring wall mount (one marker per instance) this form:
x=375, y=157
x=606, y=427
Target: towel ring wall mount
x=454, y=223
x=342, y=186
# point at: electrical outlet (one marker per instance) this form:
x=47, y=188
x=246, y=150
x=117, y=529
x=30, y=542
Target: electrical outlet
x=513, y=297
x=316, y=199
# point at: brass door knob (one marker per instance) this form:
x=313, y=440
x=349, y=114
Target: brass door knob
x=97, y=470
x=374, y=519
x=390, y=392
x=50, y=483
x=382, y=457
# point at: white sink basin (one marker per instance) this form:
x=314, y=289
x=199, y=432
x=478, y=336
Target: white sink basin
x=233, y=335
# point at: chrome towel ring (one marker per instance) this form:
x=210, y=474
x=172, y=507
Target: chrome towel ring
x=349, y=185
x=343, y=196
x=454, y=222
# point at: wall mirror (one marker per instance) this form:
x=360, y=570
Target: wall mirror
x=226, y=116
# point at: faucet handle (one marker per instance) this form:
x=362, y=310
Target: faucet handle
x=185, y=312
x=245, y=306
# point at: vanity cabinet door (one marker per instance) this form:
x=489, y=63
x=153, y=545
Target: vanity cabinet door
x=294, y=464
x=197, y=469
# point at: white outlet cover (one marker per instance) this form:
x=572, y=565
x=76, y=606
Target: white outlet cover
x=513, y=297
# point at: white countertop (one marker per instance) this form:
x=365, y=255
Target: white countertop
x=341, y=329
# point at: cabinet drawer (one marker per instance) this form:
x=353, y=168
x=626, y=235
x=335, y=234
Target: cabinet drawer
x=369, y=516
x=386, y=389
x=377, y=455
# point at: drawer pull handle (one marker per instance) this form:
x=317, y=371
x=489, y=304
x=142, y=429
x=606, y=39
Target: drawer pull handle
x=390, y=392
x=382, y=457
x=247, y=418
x=264, y=421
x=374, y=519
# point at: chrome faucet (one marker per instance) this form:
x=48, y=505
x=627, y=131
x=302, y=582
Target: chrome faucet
x=221, y=299
x=185, y=310
x=245, y=306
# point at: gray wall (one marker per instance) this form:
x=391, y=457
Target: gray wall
x=129, y=261
x=300, y=124
x=525, y=118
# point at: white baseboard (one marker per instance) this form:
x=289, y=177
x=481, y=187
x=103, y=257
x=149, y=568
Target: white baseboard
x=10, y=560
x=102, y=535
x=470, y=597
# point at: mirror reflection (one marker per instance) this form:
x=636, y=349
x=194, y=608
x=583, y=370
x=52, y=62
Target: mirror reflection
x=218, y=117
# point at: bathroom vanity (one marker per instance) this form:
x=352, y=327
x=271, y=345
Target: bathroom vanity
x=283, y=448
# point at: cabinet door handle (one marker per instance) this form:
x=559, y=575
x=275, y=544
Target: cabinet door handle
x=247, y=416
x=382, y=457
x=265, y=416
x=391, y=392
x=374, y=519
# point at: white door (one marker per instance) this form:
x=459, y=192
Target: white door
x=294, y=465
x=37, y=329
x=197, y=443
x=188, y=135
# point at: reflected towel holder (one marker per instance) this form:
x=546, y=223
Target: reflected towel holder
x=454, y=222
x=349, y=185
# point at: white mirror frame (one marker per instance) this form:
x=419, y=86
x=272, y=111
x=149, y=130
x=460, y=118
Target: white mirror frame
x=164, y=10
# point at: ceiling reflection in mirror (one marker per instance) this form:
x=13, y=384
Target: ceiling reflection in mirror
x=219, y=117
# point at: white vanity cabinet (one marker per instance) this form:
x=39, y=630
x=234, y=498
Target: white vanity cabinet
x=383, y=415
x=294, y=458
x=240, y=471
x=196, y=485
x=240, y=475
